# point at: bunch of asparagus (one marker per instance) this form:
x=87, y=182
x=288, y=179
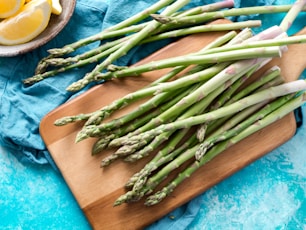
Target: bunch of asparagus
x=163, y=20
x=201, y=107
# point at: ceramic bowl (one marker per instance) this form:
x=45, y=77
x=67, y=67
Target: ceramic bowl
x=56, y=24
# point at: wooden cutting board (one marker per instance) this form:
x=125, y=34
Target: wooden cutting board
x=96, y=189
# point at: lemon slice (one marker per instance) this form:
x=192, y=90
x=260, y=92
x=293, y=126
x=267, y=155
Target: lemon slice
x=27, y=24
x=10, y=7
x=56, y=6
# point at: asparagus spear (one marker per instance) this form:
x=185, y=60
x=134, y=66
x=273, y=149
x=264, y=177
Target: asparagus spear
x=202, y=18
x=219, y=41
x=213, y=139
x=289, y=18
x=137, y=123
x=192, y=59
x=195, y=109
x=204, y=28
x=263, y=95
x=219, y=148
x=132, y=42
x=142, y=184
x=126, y=23
x=40, y=76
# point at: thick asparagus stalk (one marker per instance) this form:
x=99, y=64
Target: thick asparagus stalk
x=141, y=181
x=204, y=28
x=218, y=137
x=208, y=8
x=239, y=67
x=219, y=148
x=195, y=109
x=126, y=23
x=268, y=76
x=137, y=123
x=263, y=43
x=202, y=18
x=124, y=28
x=132, y=42
x=41, y=76
x=263, y=95
x=219, y=41
x=193, y=59
x=292, y=14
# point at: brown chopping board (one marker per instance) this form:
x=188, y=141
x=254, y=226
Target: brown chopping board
x=96, y=189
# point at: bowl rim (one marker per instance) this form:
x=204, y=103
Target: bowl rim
x=59, y=22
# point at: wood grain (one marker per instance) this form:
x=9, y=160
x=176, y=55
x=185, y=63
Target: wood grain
x=96, y=189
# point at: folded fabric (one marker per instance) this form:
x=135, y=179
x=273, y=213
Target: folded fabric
x=22, y=108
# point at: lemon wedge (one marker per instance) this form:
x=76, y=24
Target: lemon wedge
x=56, y=6
x=27, y=24
x=10, y=7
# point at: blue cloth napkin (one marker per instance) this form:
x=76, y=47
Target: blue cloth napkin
x=22, y=108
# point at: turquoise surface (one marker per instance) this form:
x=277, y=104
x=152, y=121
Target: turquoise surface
x=268, y=194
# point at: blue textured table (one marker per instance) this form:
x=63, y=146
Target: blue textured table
x=268, y=194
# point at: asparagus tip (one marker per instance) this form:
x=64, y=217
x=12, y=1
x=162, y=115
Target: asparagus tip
x=161, y=18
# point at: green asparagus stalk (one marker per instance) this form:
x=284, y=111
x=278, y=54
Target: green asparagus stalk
x=120, y=127
x=39, y=77
x=126, y=23
x=94, y=130
x=60, y=61
x=204, y=28
x=219, y=41
x=292, y=14
x=195, y=109
x=218, y=137
x=263, y=95
x=235, y=69
x=120, y=31
x=268, y=76
x=215, y=125
x=243, y=54
x=202, y=18
x=219, y=148
x=208, y=8
x=140, y=181
x=132, y=42
x=137, y=123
